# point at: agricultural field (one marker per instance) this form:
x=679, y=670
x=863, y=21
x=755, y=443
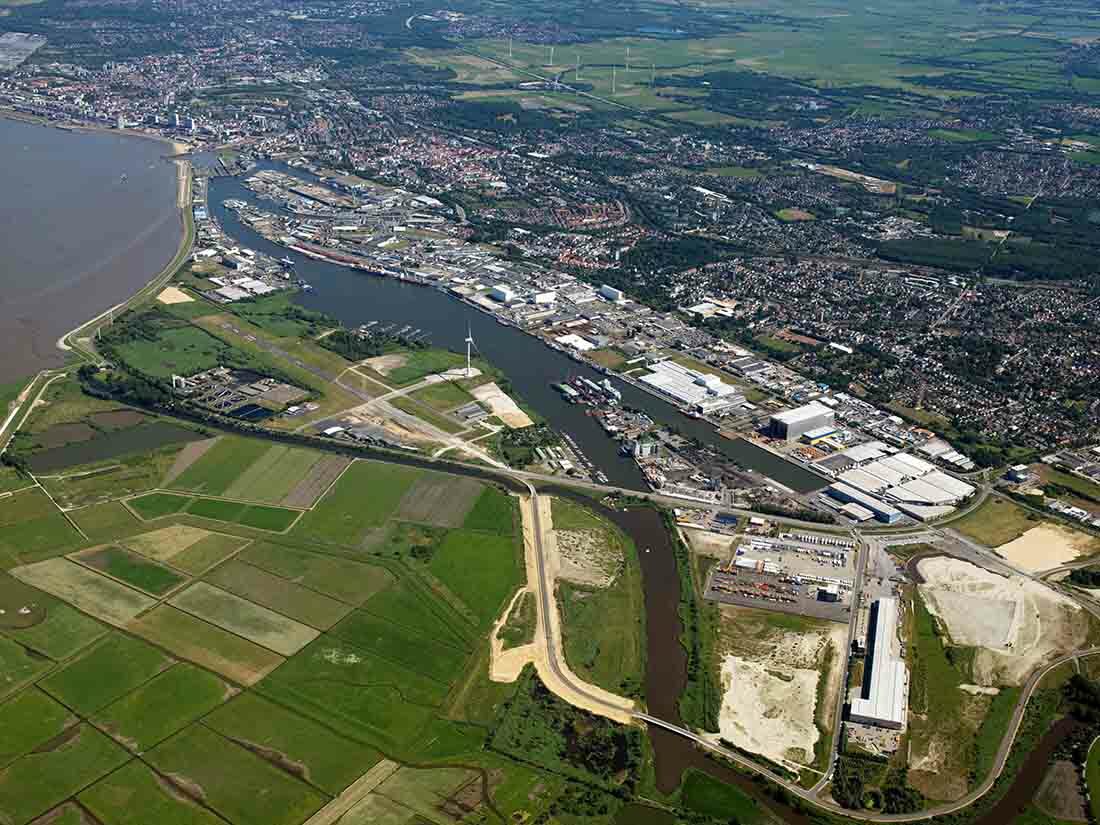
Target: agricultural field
x=290, y=598
x=440, y=500
x=135, y=795
x=59, y=632
x=244, y=618
x=351, y=582
x=321, y=756
x=96, y=595
x=105, y=673
x=366, y=495
x=165, y=704
x=191, y=638
x=248, y=470
x=239, y=785
x=130, y=568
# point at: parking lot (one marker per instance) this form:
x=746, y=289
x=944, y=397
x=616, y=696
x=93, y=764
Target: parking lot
x=789, y=574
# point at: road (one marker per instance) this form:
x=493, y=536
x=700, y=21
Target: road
x=547, y=603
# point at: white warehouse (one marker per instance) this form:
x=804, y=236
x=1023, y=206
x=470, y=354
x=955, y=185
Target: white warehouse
x=883, y=700
x=793, y=424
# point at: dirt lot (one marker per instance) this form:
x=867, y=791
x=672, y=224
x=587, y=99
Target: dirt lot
x=502, y=406
x=771, y=665
x=385, y=364
x=174, y=295
x=1047, y=546
x=319, y=478
x=717, y=545
x=586, y=558
x=1016, y=623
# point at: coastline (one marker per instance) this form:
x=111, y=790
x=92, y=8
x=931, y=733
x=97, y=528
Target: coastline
x=71, y=340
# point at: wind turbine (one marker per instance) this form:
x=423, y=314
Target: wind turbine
x=469, y=344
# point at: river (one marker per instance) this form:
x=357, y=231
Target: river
x=77, y=238
x=355, y=297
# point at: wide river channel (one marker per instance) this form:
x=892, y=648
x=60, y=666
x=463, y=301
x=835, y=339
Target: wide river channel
x=355, y=297
x=86, y=220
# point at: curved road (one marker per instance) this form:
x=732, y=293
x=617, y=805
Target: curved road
x=547, y=603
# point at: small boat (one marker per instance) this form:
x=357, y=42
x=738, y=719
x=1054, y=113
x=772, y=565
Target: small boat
x=286, y=261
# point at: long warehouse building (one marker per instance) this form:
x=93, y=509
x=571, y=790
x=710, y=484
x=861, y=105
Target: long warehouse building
x=883, y=700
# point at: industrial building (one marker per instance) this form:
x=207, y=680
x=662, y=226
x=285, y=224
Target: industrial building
x=880, y=509
x=503, y=293
x=700, y=391
x=791, y=425
x=612, y=294
x=882, y=701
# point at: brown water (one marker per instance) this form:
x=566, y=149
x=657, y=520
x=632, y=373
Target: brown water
x=75, y=237
x=666, y=662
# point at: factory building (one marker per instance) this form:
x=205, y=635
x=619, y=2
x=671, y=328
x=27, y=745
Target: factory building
x=882, y=702
x=791, y=425
x=612, y=294
x=880, y=509
x=700, y=391
x=503, y=293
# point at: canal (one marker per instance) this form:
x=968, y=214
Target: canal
x=354, y=297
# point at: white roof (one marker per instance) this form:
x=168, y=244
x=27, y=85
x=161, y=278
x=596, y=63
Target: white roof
x=889, y=677
x=959, y=489
x=935, y=447
x=919, y=465
x=919, y=491
x=803, y=413
x=857, y=511
x=866, y=482
x=880, y=469
x=865, y=452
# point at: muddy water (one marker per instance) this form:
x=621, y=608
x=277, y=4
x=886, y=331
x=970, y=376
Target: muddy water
x=86, y=219
x=666, y=662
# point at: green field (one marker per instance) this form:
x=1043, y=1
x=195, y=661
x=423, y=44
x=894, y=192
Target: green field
x=239, y=785
x=104, y=521
x=27, y=720
x=366, y=495
x=293, y=600
x=396, y=642
x=207, y=552
x=1092, y=778
x=191, y=638
x=407, y=603
x=220, y=466
x=481, y=569
x=156, y=505
x=163, y=705
x=134, y=795
x=997, y=521
x=274, y=474
x=603, y=629
x=176, y=350
x=37, y=781
x=356, y=693
x=443, y=396
x=105, y=673
x=130, y=568
x=63, y=632
x=325, y=759
x=494, y=512
x=18, y=666
x=421, y=363
x=349, y=581
x=708, y=796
